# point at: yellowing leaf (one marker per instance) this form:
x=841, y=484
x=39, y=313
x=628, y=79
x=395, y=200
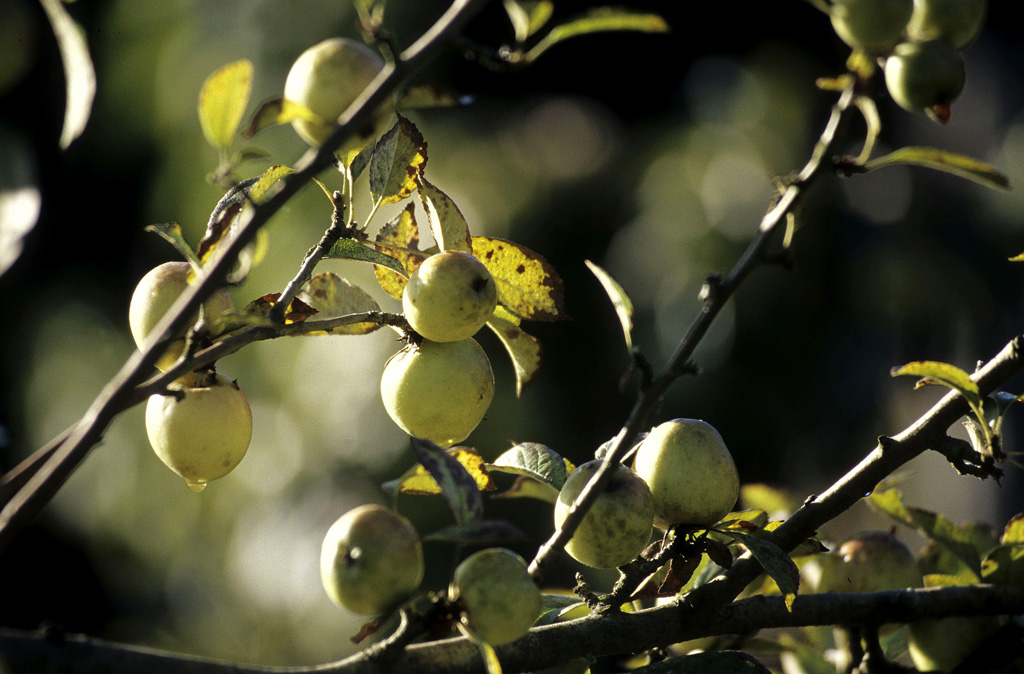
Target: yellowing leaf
x=528, y=487
x=447, y=224
x=331, y=295
x=400, y=240
x=398, y=159
x=528, y=285
x=524, y=350
x=419, y=481
x=222, y=101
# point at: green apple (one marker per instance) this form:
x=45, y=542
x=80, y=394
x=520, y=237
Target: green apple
x=371, y=560
x=925, y=77
x=618, y=525
x=873, y=26
x=690, y=472
x=155, y=294
x=940, y=645
x=326, y=79
x=870, y=561
x=203, y=431
x=438, y=390
x=958, y=22
x=449, y=297
x=498, y=599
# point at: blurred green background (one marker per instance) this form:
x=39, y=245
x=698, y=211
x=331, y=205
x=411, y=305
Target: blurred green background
x=652, y=155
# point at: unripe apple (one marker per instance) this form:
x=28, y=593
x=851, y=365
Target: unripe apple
x=449, y=297
x=155, y=294
x=371, y=560
x=871, y=561
x=690, y=472
x=438, y=390
x=205, y=433
x=874, y=26
x=925, y=76
x=499, y=599
x=618, y=525
x=940, y=645
x=326, y=79
x=958, y=22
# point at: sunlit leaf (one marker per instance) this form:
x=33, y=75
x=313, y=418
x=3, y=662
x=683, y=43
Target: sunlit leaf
x=483, y=532
x=523, y=349
x=943, y=160
x=620, y=300
x=535, y=460
x=458, y=486
x=933, y=526
x=446, y=222
x=222, y=102
x=331, y=295
x=419, y=480
x=1014, y=531
x=769, y=498
x=776, y=563
x=398, y=158
x=558, y=607
x=266, y=180
x=528, y=285
x=711, y=662
x=79, y=73
x=400, y=240
x=599, y=20
x=171, y=232
x=20, y=198
x=277, y=111
x=223, y=222
x=932, y=372
x=1004, y=565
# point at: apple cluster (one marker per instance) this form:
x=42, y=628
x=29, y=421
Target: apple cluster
x=440, y=388
x=201, y=426
x=683, y=475
x=919, y=42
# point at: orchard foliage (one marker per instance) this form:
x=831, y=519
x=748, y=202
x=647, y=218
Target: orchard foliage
x=701, y=563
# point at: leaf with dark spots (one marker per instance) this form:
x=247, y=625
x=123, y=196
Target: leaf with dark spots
x=298, y=310
x=528, y=286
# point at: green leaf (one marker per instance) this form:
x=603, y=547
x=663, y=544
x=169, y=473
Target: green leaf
x=558, y=607
x=398, y=159
x=484, y=532
x=523, y=349
x=458, y=487
x=222, y=102
x=277, y=111
x=171, y=232
x=528, y=487
x=534, y=460
x=400, y=240
x=224, y=220
x=528, y=285
x=601, y=19
x=932, y=372
x=486, y=651
x=267, y=180
x=350, y=249
x=776, y=563
x=943, y=160
x=79, y=73
x=955, y=540
x=712, y=662
x=620, y=300
x=447, y=224
x=331, y=295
